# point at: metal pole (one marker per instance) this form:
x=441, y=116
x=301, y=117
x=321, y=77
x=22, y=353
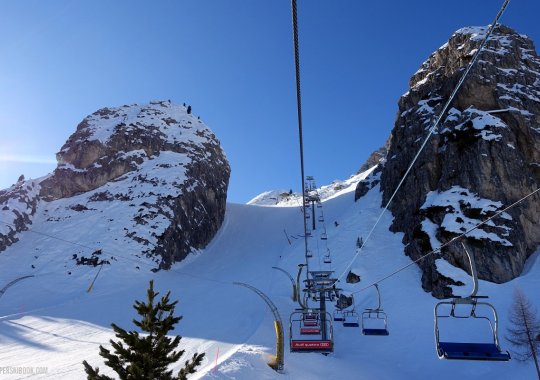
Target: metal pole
x=294, y=296
x=278, y=325
x=298, y=298
x=313, y=213
x=322, y=303
x=473, y=271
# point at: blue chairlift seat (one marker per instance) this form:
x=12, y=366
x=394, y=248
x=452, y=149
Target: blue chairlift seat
x=351, y=319
x=338, y=315
x=472, y=351
x=374, y=322
x=469, y=351
x=376, y=332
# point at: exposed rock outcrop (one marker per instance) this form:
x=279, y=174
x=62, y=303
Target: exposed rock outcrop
x=159, y=168
x=484, y=156
x=18, y=204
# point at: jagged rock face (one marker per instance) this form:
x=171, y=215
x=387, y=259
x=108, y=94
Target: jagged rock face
x=153, y=174
x=375, y=158
x=484, y=156
x=17, y=206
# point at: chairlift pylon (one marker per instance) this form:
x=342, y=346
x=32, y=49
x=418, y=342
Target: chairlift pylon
x=465, y=350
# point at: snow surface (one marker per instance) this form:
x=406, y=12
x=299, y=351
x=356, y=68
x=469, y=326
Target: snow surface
x=102, y=124
x=51, y=321
x=454, y=199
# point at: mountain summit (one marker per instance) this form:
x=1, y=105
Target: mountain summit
x=152, y=175
x=484, y=156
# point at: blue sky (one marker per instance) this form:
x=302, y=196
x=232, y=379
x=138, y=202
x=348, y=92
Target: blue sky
x=232, y=60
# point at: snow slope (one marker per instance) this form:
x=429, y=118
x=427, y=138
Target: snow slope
x=50, y=320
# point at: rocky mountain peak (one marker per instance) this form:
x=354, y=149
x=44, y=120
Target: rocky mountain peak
x=484, y=156
x=113, y=141
x=153, y=176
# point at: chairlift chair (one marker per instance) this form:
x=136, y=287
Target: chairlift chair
x=313, y=341
x=324, y=236
x=327, y=259
x=338, y=315
x=466, y=350
x=310, y=323
x=375, y=320
x=351, y=318
x=321, y=219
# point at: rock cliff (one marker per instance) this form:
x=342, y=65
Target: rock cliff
x=484, y=156
x=153, y=174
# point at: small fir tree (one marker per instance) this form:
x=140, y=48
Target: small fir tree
x=524, y=330
x=147, y=356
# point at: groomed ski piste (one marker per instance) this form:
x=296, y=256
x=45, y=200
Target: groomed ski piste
x=49, y=323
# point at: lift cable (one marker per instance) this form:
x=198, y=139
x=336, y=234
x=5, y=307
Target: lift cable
x=299, y=113
x=432, y=129
x=454, y=239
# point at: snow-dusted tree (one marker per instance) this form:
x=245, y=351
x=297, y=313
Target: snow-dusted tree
x=524, y=330
x=149, y=355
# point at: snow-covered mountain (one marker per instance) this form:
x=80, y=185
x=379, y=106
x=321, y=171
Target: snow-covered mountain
x=483, y=156
x=325, y=192
x=152, y=178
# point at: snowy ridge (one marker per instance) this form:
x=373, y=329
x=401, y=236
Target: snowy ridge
x=284, y=198
x=170, y=121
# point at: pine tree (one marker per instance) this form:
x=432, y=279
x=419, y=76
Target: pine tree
x=524, y=330
x=148, y=356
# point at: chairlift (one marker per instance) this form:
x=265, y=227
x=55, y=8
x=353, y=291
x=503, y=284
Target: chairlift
x=321, y=219
x=470, y=351
x=309, y=253
x=310, y=318
x=351, y=318
x=310, y=323
x=324, y=236
x=326, y=258
x=314, y=341
x=338, y=315
x=375, y=320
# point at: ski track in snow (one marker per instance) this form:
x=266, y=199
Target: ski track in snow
x=51, y=321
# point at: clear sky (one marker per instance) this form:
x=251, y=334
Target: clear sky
x=232, y=60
